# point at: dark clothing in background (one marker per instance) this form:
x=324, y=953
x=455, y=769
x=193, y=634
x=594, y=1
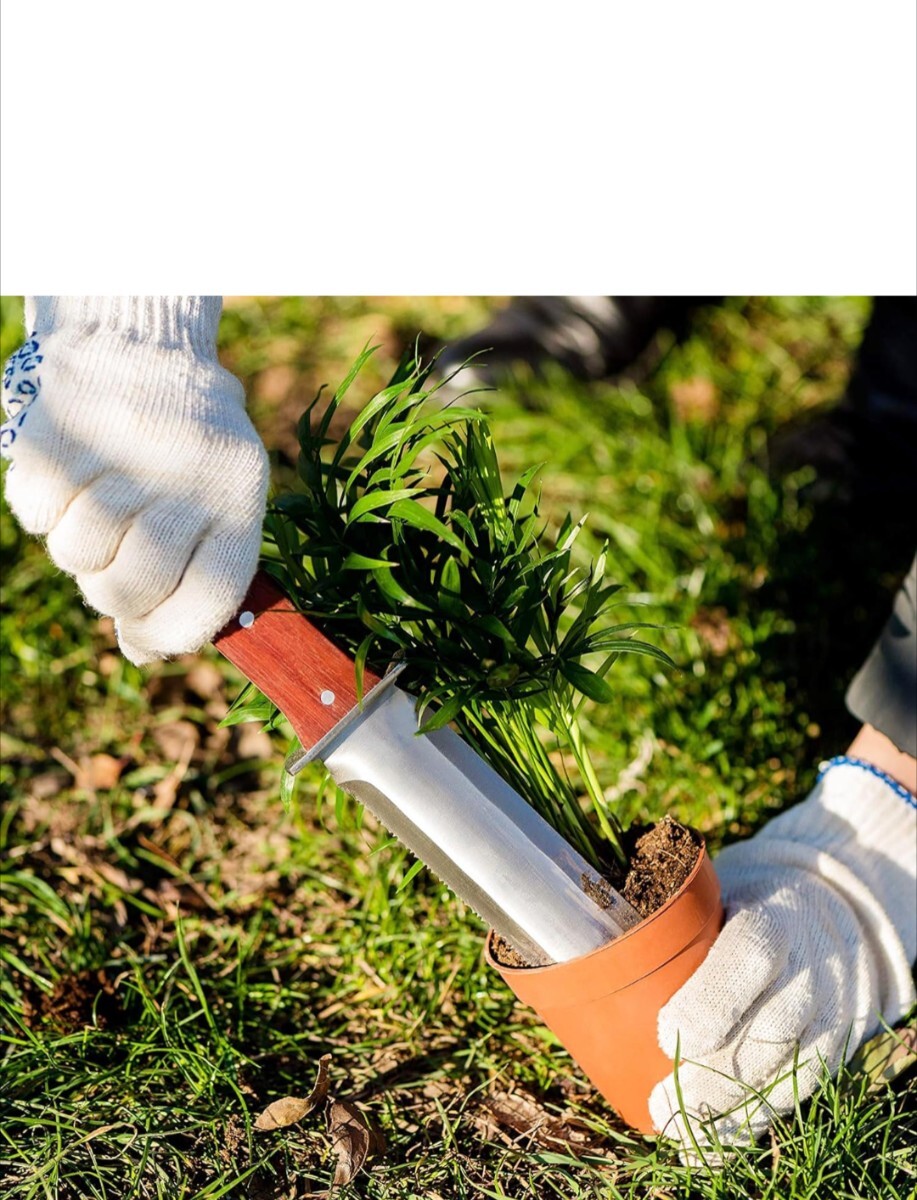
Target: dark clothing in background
x=884, y=691
x=882, y=402
x=865, y=449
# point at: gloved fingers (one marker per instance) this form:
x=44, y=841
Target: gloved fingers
x=39, y=498
x=210, y=592
x=46, y=473
x=702, y=1106
x=749, y=954
x=87, y=536
x=148, y=566
x=847, y=988
x=785, y=1009
x=806, y=1028
x=759, y=1058
x=819, y=1055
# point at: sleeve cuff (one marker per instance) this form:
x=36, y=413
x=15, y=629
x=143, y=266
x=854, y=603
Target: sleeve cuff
x=168, y=322
x=844, y=760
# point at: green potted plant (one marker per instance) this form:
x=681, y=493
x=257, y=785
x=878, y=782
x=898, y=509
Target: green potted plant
x=403, y=541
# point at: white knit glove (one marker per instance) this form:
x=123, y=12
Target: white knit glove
x=816, y=951
x=131, y=451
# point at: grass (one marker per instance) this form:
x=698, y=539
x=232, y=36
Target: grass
x=179, y=950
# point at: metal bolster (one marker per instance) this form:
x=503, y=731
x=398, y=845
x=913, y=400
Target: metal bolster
x=300, y=758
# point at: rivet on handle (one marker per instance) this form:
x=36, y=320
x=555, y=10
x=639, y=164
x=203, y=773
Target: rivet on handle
x=246, y=619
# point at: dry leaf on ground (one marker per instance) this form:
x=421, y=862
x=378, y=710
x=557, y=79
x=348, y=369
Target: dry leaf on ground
x=47, y=785
x=97, y=772
x=511, y=1116
x=350, y=1140
x=886, y=1056
x=291, y=1109
x=205, y=680
x=103, y=771
x=177, y=739
x=253, y=742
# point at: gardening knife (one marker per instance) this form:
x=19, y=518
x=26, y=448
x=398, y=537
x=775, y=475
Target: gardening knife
x=431, y=790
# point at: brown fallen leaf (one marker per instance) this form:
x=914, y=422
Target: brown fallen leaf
x=286, y=1111
x=97, y=772
x=205, y=680
x=177, y=739
x=46, y=785
x=515, y=1116
x=291, y=1109
x=350, y=1140
x=253, y=742
x=775, y=1150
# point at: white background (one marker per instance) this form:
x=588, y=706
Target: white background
x=665, y=146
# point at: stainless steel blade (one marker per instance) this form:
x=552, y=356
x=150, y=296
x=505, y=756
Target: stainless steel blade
x=443, y=801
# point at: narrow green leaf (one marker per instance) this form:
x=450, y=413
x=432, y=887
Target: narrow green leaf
x=382, y=446
x=464, y=522
x=416, y=515
x=519, y=491
x=613, y=632
x=250, y=705
x=410, y=874
x=587, y=682
x=451, y=576
x=381, y=402
x=340, y=807
x=362, y=358
x=371, y=501
x=359, y=662
x=363, y=562
x=443, y=715
x=393, y=591
x=369, y=619
x=494, y=626
x=629, y=646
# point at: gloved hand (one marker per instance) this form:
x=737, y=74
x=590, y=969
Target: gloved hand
x=816, y=950
x=132, y=453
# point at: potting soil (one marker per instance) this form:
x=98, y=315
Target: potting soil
x=661, y=857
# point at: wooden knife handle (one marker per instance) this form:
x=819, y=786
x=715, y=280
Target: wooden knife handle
x=297, y=667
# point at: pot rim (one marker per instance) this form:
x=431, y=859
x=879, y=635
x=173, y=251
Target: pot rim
x=696, y=902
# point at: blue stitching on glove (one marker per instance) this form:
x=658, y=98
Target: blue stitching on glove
x=16, y=403
x=843, y=760
x=26, y=358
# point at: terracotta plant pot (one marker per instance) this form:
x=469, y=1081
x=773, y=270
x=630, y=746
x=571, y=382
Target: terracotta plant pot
x=603, y=1006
